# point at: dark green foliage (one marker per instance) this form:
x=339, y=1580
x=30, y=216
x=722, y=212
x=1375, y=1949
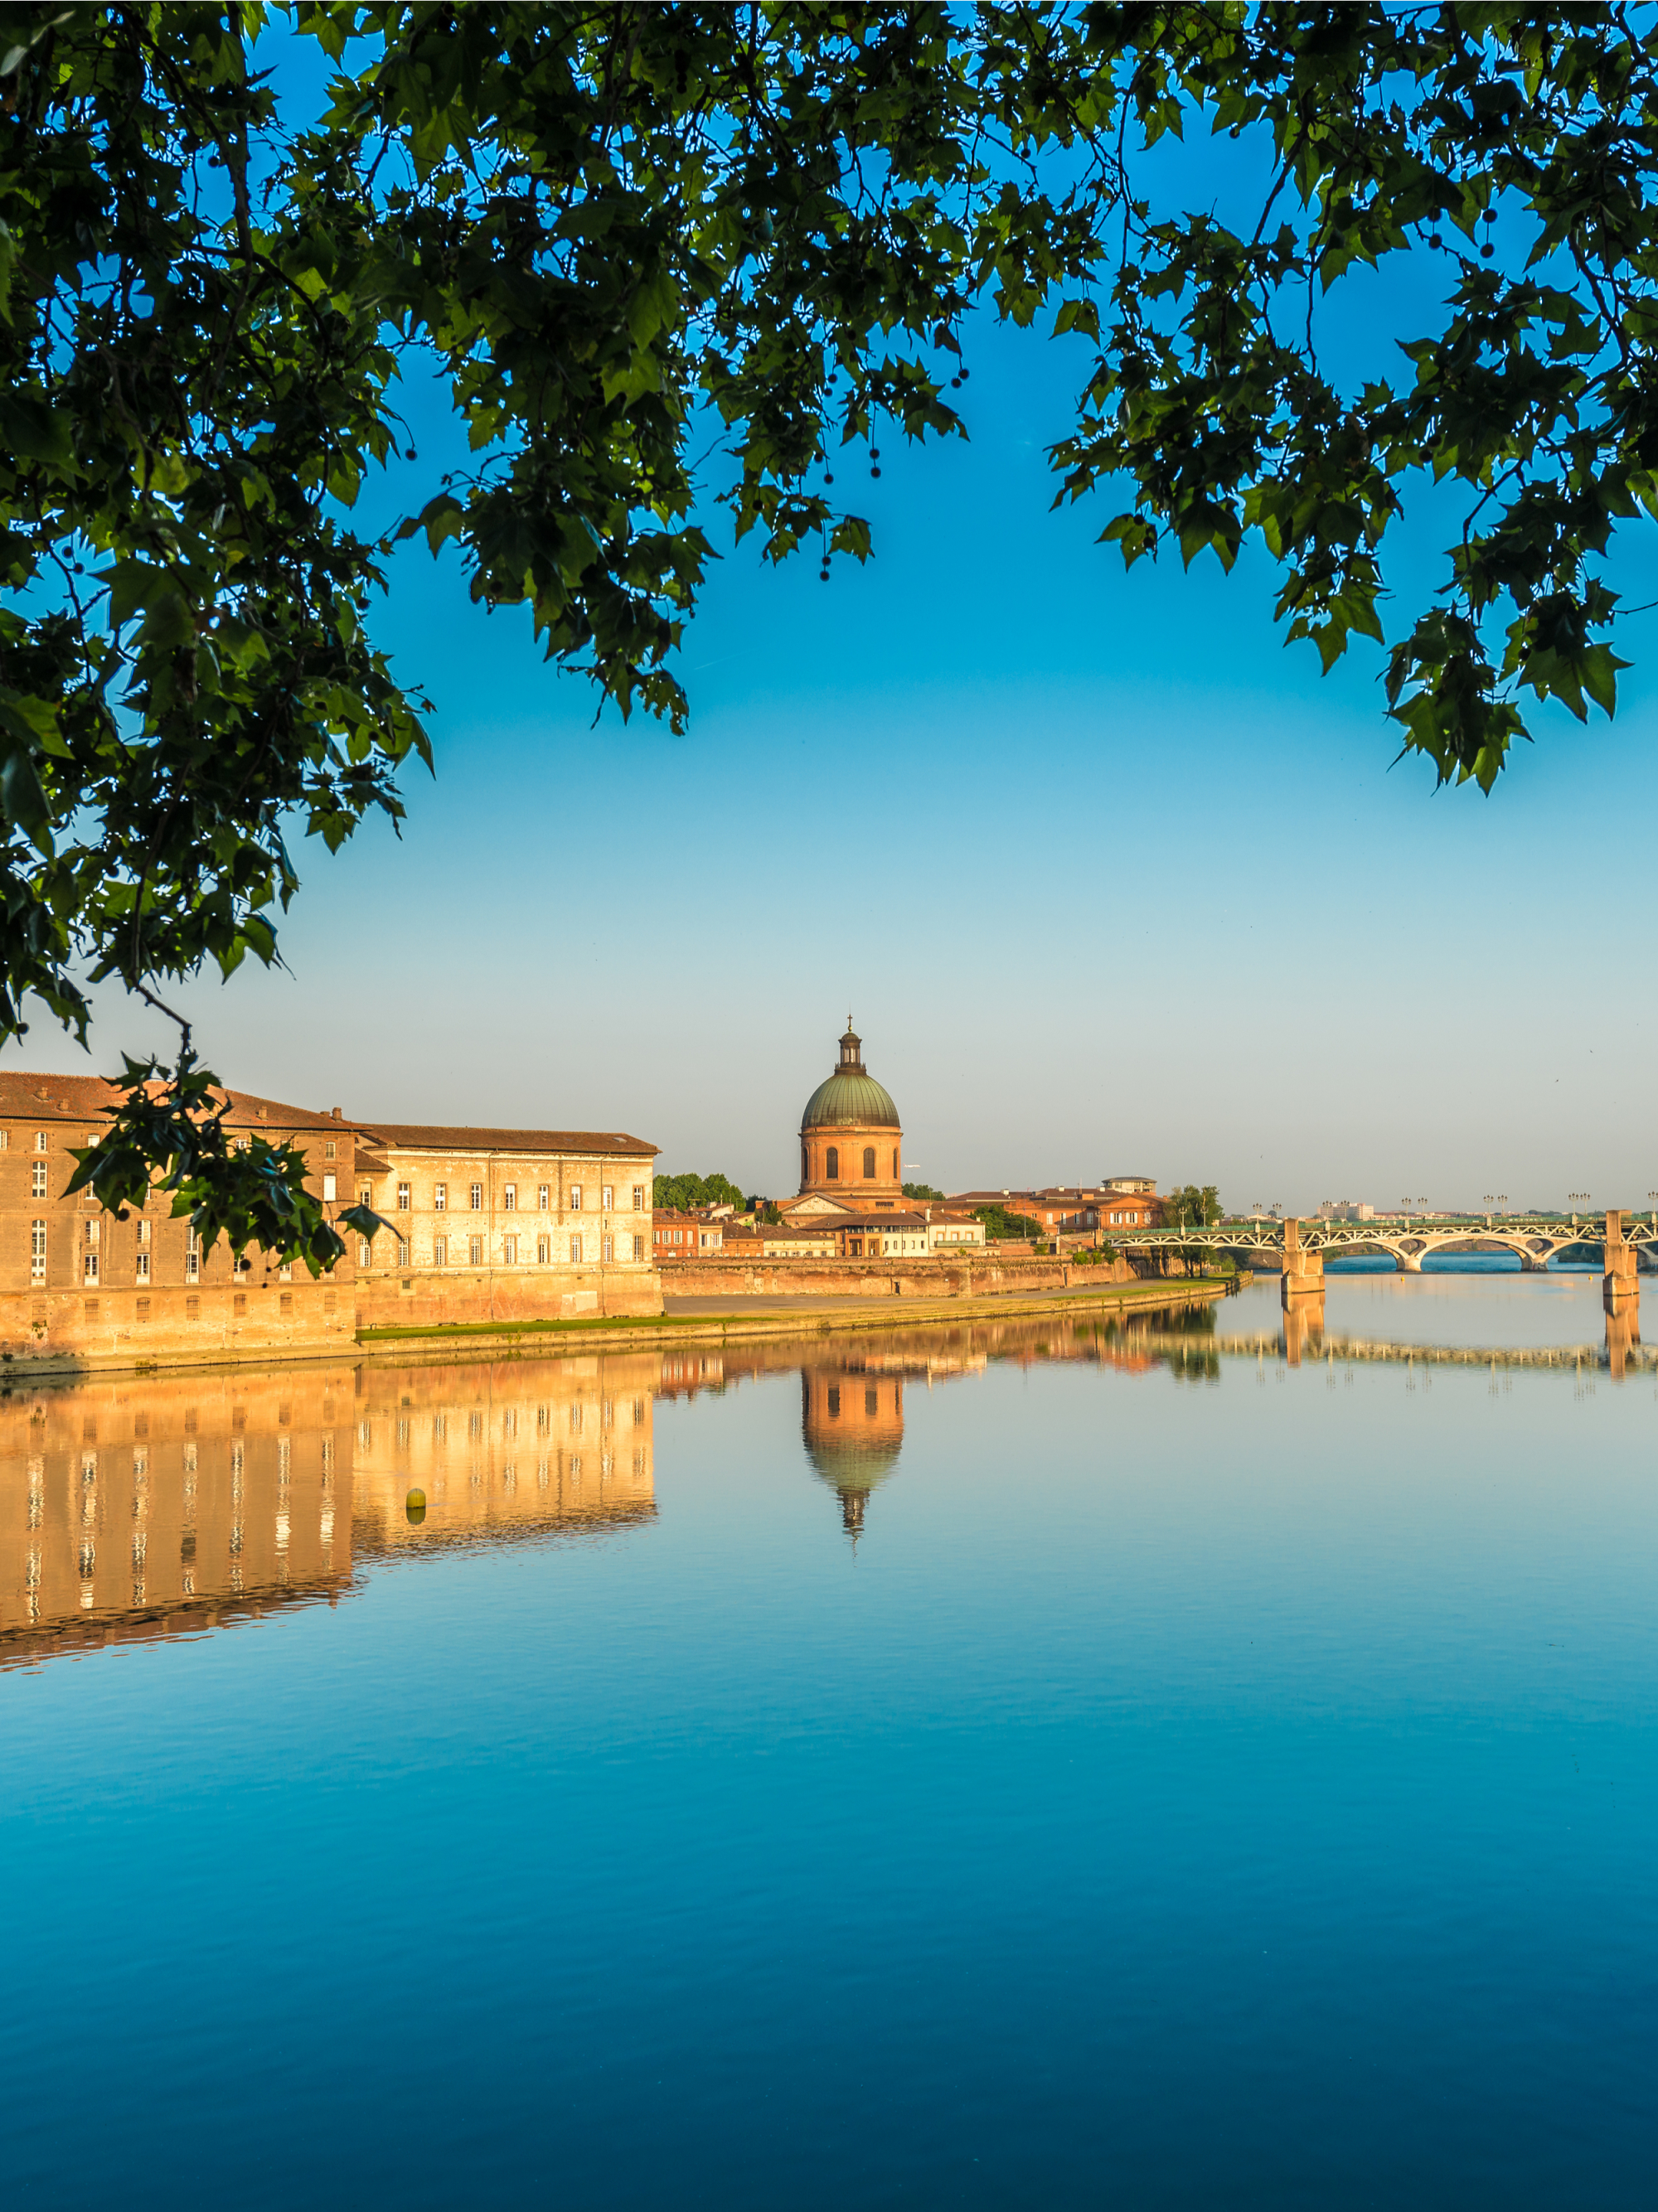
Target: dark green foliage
x=685, y=1192
x=613, y=229
x=921, y=1190
x=1191, y=1205
x=171, y=1136
x=1000, y=1225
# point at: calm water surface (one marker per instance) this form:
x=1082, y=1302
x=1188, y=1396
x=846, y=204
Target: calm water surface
x=1014, y=1766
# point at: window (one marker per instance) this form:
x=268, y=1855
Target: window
x=365, y=1195
x=402, y=1198
x=544, y=1251
x=329, y=1190
x=144, y=1267
x=440, y=1197
x=478, y=1197
x=40, y=1140
x=805, y=1166
x=328, y=1150
x=638, y=1248
x=576, y=1197
x=509, y=1250
x=895, y=1166
x=286, y=1305
x=609, y=1250
x=143, y=1308
x=476, y=1251
x=869, y=1162
x=575, y=1250
x=92, y=1232
x=37, y=1252
x=362, y=1251
x=37, y=1186
x=192, y=1256
x=238, y=1306
x=440, y=1251
x=542, y=1197
x=607, y=1199
x=510, y=1198
x=638, y=1198
x=832, y=1165
x=402, y=1251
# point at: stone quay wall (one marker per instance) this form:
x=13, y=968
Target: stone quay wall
x=170, y=1326
x=711, y=1275
x=388, y=1298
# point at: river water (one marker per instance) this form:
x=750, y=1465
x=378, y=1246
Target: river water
x=1024, y=1765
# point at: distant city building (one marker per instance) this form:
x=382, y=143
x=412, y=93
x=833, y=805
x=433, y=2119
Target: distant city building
x=883, y=1237
x=676, y=1235
x=1068, y=1210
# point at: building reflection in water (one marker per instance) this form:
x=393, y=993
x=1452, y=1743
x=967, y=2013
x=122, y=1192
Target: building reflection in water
x=503, y=1449
x=144, y=1507
x=139, y=1508
x=852, y=1391
x=149, y=1507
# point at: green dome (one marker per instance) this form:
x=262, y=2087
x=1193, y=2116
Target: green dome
x=851, y=1095
x=845, y=1098
x=857, y=1466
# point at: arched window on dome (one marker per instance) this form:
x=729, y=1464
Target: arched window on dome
x=805, y=1166
x=868, y=1164
x=832, y=1165
x=895, y=1166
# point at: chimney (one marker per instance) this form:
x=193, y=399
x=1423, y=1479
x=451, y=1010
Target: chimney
x=334, y=1110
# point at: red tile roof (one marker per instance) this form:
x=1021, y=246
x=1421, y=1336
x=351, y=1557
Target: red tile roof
x=442, y=1137
x=90, y=1098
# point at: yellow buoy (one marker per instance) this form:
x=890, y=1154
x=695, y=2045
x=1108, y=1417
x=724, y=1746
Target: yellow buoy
x=415, y=1505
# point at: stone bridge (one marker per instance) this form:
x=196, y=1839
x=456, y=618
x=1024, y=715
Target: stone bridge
x=1301, y=1247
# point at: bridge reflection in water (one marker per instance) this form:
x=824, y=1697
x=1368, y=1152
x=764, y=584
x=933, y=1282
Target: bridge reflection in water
x=1303, y=1337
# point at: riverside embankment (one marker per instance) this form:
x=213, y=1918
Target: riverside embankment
x=726, y=1319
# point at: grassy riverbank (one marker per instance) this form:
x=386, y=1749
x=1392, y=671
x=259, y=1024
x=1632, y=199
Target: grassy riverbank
x=767, y=1317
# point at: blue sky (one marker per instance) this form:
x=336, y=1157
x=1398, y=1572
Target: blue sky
x=1110, y=880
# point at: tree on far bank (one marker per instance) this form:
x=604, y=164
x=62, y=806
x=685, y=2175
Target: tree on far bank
x=1192, y=1206
x=921, y=1190
x=686, y=1192
x=1001, y=1226
x=624, y=238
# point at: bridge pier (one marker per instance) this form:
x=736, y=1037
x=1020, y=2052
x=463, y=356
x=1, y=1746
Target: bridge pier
x=1528, y=1266
x=1408, y=1256
x=1303, y=1271
x=1620, y=1289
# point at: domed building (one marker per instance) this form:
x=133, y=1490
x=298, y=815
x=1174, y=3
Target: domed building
x=852, y=1147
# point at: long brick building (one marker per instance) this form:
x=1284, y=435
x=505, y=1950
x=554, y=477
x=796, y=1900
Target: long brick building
x=483, y=1224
